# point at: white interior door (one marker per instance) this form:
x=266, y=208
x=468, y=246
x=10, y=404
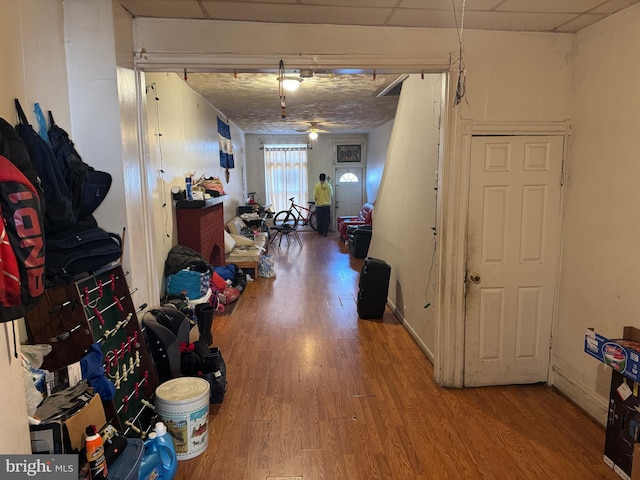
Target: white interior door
x=348, y=191
x=512, y=257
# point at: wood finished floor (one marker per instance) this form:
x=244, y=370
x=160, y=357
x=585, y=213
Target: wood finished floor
x=317, y=394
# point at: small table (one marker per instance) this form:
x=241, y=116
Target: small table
x=285, y=231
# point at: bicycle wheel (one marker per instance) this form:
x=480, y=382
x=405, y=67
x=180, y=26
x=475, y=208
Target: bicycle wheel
x=285, y=217
x=313, y=221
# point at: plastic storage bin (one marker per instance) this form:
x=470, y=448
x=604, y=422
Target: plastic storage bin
x=125, y=467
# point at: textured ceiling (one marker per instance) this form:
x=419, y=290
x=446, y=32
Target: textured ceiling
x=347, y=103
x=337, y=103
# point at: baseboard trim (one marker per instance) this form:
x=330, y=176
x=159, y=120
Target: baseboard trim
x=593, y=405
x=426, y=350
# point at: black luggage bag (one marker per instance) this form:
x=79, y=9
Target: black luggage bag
x=374, y=288
x=359, y=240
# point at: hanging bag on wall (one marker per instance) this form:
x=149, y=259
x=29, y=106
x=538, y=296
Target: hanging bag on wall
x=72, y=254
x=88, y=187
x=59, y=209
x=21, y=244
x=13, y=148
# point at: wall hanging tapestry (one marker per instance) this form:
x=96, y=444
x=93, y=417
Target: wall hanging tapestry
x=226, y=147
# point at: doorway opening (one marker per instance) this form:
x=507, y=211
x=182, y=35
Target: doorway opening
x=373, y=174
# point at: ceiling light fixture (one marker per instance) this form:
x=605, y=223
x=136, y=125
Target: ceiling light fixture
x=285, y=82
x=290, y=84
x=313, y=134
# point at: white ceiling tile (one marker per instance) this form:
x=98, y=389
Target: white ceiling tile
x=352, y=3
x=549, y=6
x=446, y=4
x=613, y=6
x=526, y=22
x=164, y=8
x=296, y=13
x=407, y=17
x=580, y=22
x=265, y=1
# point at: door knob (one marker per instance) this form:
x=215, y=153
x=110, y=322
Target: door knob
x=474, y=277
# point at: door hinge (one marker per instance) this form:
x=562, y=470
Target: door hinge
x=562, y=179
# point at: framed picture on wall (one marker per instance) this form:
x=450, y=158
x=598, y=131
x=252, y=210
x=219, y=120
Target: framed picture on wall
x=349, y=153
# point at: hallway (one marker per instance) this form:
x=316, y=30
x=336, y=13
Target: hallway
x=316, y=393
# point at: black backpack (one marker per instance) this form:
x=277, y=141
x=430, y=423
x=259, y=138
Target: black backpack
x=167, y=336
x=57, y=199
x=87, y=186
x=13, y=148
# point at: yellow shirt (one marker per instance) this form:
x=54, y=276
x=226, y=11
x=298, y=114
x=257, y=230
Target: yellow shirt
x=322, y=194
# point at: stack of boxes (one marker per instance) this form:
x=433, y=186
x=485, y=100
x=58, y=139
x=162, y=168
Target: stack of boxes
x=623, y=418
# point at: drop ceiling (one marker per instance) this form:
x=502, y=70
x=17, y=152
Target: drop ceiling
x=342, y=103
x=517, y=15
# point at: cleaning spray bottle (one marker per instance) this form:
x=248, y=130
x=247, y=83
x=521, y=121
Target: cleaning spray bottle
x=160, y=461
x=95, y=454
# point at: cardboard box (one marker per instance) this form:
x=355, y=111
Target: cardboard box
x=635, y=470
x=74, y=427
x=67, y=427
x=623, y=355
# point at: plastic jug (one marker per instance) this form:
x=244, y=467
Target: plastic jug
x=151, y=467
x=167, y=450
x=160, y=461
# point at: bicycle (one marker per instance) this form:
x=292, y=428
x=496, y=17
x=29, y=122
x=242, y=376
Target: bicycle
x=297, y=214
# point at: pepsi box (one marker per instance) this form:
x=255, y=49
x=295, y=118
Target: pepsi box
x=622, y=355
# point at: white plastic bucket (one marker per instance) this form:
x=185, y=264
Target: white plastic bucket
x=183, y=405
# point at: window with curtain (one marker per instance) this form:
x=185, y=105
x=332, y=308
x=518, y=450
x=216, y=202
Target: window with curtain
x=286, y=175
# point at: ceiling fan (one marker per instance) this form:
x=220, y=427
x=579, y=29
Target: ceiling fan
x=313, y=130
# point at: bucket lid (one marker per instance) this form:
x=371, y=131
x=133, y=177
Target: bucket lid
x=182, y=388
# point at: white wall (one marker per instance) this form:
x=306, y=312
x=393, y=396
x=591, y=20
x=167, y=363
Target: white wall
x=517, y=77
x=406, y=206
x=376, y=158
x=600, y=281
x=188, y=143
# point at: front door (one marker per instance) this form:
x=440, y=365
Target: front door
x=348, y=191
x=512, y=258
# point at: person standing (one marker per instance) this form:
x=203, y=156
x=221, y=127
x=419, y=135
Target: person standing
x=322, y=194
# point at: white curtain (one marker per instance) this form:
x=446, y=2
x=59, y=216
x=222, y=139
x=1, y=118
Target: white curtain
x=286, y=175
